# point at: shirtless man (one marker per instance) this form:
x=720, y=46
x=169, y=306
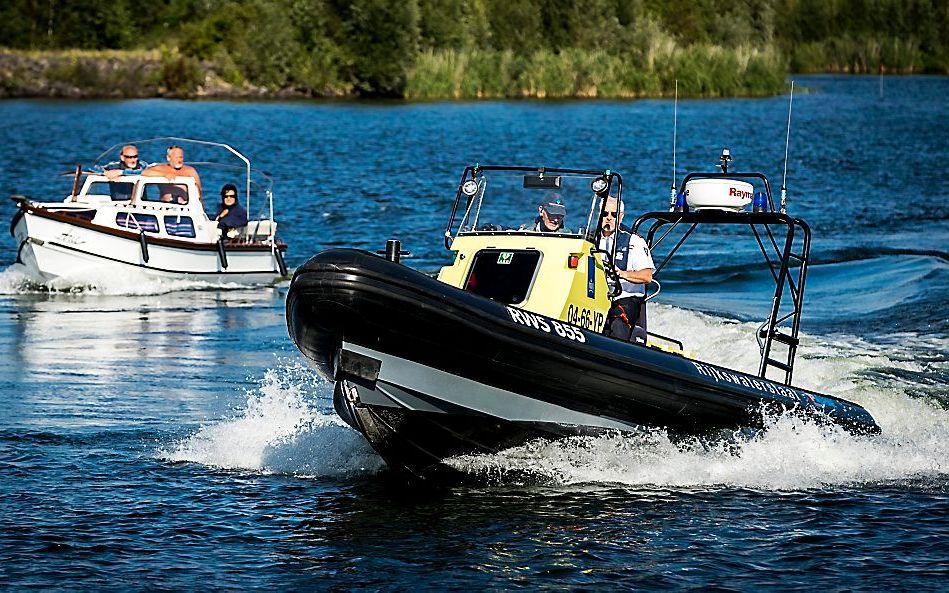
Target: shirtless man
x=175, y=167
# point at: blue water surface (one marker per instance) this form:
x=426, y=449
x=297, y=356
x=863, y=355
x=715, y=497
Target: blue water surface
x=169, y=436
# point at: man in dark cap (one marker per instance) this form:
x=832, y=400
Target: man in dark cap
x=551, y=213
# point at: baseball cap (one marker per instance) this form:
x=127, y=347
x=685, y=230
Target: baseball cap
x=554, y=205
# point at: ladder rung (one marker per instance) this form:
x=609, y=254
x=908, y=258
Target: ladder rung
x=785, y=339
x=778, y=364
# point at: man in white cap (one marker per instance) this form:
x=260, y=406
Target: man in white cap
x=550, y=215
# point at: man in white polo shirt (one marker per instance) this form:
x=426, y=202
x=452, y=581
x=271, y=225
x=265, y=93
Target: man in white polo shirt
x=627, y=317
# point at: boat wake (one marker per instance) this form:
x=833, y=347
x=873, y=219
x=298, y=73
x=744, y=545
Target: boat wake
x=791, y=455
x=286, y=426
x=15, y=280
x=906, y=393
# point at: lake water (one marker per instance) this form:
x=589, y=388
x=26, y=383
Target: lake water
x=169, y=436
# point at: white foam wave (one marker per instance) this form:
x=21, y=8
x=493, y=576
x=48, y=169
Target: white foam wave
x=286, y=426
x=792, y=454
x=15, y=279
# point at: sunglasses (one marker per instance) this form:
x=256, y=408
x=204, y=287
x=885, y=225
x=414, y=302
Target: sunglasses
x=129, y=156
x=230, y=196
x=609, y=214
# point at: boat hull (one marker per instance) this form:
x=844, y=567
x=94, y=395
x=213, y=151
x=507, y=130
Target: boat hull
x=411, y=352
x=52, y=248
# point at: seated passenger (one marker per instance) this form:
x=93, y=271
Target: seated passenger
x=231, y=216
x=128, y=163
x=550, y=216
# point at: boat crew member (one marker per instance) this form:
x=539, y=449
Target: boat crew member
x=231, y=215
x=550, y=215
x=634, y=266
x=175, y=167
x=129, y=163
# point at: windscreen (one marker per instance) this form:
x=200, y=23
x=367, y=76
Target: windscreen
x=530, y=202
x=117, y=191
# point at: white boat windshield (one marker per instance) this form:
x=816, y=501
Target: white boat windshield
x=117, y=191
x=171, y=193
x=218, y=166
x=529, y=200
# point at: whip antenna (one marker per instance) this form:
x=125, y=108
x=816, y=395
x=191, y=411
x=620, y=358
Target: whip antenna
x=787, y=142
x=675, y=125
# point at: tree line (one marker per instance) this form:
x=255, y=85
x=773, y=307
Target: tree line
x=499, y=48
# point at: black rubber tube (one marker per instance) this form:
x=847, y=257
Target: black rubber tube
x=16, y=219
x=144, y=243
x=281, y=265
x=222, y=253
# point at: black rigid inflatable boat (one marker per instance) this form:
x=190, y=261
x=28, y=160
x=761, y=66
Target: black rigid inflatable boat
x=427, y=371
x=429, y=368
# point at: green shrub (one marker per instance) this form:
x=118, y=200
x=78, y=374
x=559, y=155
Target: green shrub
x=180, y=75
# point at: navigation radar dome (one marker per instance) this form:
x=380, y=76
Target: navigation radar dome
x=718, y=194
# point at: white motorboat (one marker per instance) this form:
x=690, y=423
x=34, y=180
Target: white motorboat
x=152, y=225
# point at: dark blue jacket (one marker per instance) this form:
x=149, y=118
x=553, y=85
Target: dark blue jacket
x=236, y=217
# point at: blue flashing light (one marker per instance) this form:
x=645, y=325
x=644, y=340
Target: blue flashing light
x=760, y=202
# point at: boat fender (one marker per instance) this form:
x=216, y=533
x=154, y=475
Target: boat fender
x=144, y=244
x=281, y=265
x=19, y=251
x=16, y=219
x=222, y=253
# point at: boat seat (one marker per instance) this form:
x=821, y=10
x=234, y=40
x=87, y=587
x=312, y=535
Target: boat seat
x=258, y=230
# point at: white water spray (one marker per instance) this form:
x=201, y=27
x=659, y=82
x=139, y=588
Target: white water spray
x=792, y=454
x=285, y=427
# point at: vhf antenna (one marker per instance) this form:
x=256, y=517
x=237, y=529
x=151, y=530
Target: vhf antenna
x=787, y=142
x=675, y=125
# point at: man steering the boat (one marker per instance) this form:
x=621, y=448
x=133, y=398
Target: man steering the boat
x=175, y=167
x=550, y=215
x=634, y=266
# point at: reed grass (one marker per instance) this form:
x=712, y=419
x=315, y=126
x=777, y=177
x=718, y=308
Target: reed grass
x=856, y=55
x=702, y=71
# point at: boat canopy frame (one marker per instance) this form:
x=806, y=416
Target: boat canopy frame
x=591, y=233
x=780, y=260
x=614, y=187
x=246, y=168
